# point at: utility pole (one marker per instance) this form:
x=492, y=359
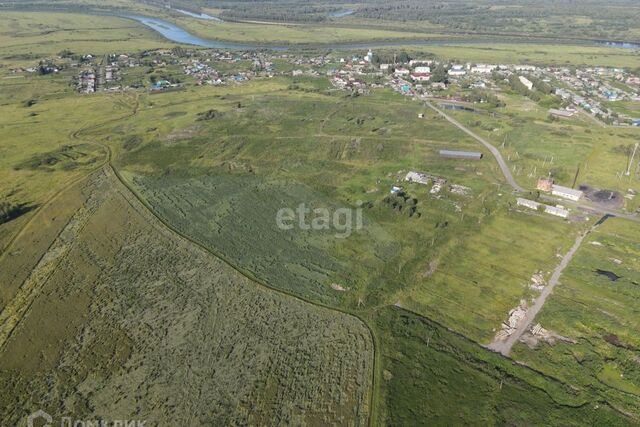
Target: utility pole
x=631, y=160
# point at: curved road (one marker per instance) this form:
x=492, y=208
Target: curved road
x=503, y=165
x=511, y=180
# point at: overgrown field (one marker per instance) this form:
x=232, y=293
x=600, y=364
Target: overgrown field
x=131, y=322
x=571, y=150
x=441, y=378
x=485, y=273
x=595, y=306
x=465, y=259
x=104, y=312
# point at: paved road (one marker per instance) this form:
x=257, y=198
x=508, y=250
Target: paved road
x=511, y=180
x=505, y=346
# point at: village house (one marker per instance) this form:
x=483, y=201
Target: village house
x=420, y=77
x=526, y=82
x=483, y=69
x=545, y=184
x=422, y=70
x=457, y=71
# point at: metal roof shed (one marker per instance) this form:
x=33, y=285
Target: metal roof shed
x=468, y=155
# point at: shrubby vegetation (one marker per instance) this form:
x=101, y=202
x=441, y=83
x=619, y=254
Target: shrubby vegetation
x=482, y=96
x=541, y=93
x=9, y=211
x=441, y=378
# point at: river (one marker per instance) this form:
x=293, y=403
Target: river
x=199, y=15
x=176, y=34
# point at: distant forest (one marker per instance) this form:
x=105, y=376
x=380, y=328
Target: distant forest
x=619, y=19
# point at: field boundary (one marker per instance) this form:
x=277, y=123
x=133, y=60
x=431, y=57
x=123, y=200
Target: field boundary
x=250, y=276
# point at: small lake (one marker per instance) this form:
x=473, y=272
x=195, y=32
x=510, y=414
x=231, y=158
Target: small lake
x=608, y=274
x=178, y=35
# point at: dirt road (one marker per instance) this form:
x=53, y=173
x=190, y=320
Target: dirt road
x=511, y=180
x=504, y=346
x=494, y=151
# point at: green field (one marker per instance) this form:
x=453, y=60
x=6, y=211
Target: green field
x=600, y=315
x=435, y=375
x=28, y=36
x=151, y=336
x=572, y=149
x=153, y=215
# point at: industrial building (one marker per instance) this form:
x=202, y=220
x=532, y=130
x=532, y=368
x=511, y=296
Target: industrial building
x=468, y=155
x=566, y=192
x=551, y=210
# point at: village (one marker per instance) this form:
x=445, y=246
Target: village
x=591, y=91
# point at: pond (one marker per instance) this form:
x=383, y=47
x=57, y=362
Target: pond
x=608, y=274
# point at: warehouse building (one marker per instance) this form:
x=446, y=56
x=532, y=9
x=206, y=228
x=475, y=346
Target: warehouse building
x=551, y=210
x=566, y=192
x=468, y=155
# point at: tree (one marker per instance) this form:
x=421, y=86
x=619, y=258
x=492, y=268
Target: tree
x=403, y=57
x=440, y=74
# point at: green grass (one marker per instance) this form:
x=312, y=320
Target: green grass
x=263, y=33
x=630, y=108
x=599, y=315
x=161, y=331
x=32, y=35
x=436, y=376
x=525, y=53
x=535, y=147
x=487, y=271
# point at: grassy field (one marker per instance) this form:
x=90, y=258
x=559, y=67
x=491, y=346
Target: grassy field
x=209, y=180
x=441, y=378
x=471, y=288
x=31, y=35
x=532, y=53
x=167, y=331
x=573, y=149
x=288, y=34
x=599, y=315
x=630, y=108
x=154, y=330
x=465, y=268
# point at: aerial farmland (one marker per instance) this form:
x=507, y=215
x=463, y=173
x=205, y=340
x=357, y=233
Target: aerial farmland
x=319, y=215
